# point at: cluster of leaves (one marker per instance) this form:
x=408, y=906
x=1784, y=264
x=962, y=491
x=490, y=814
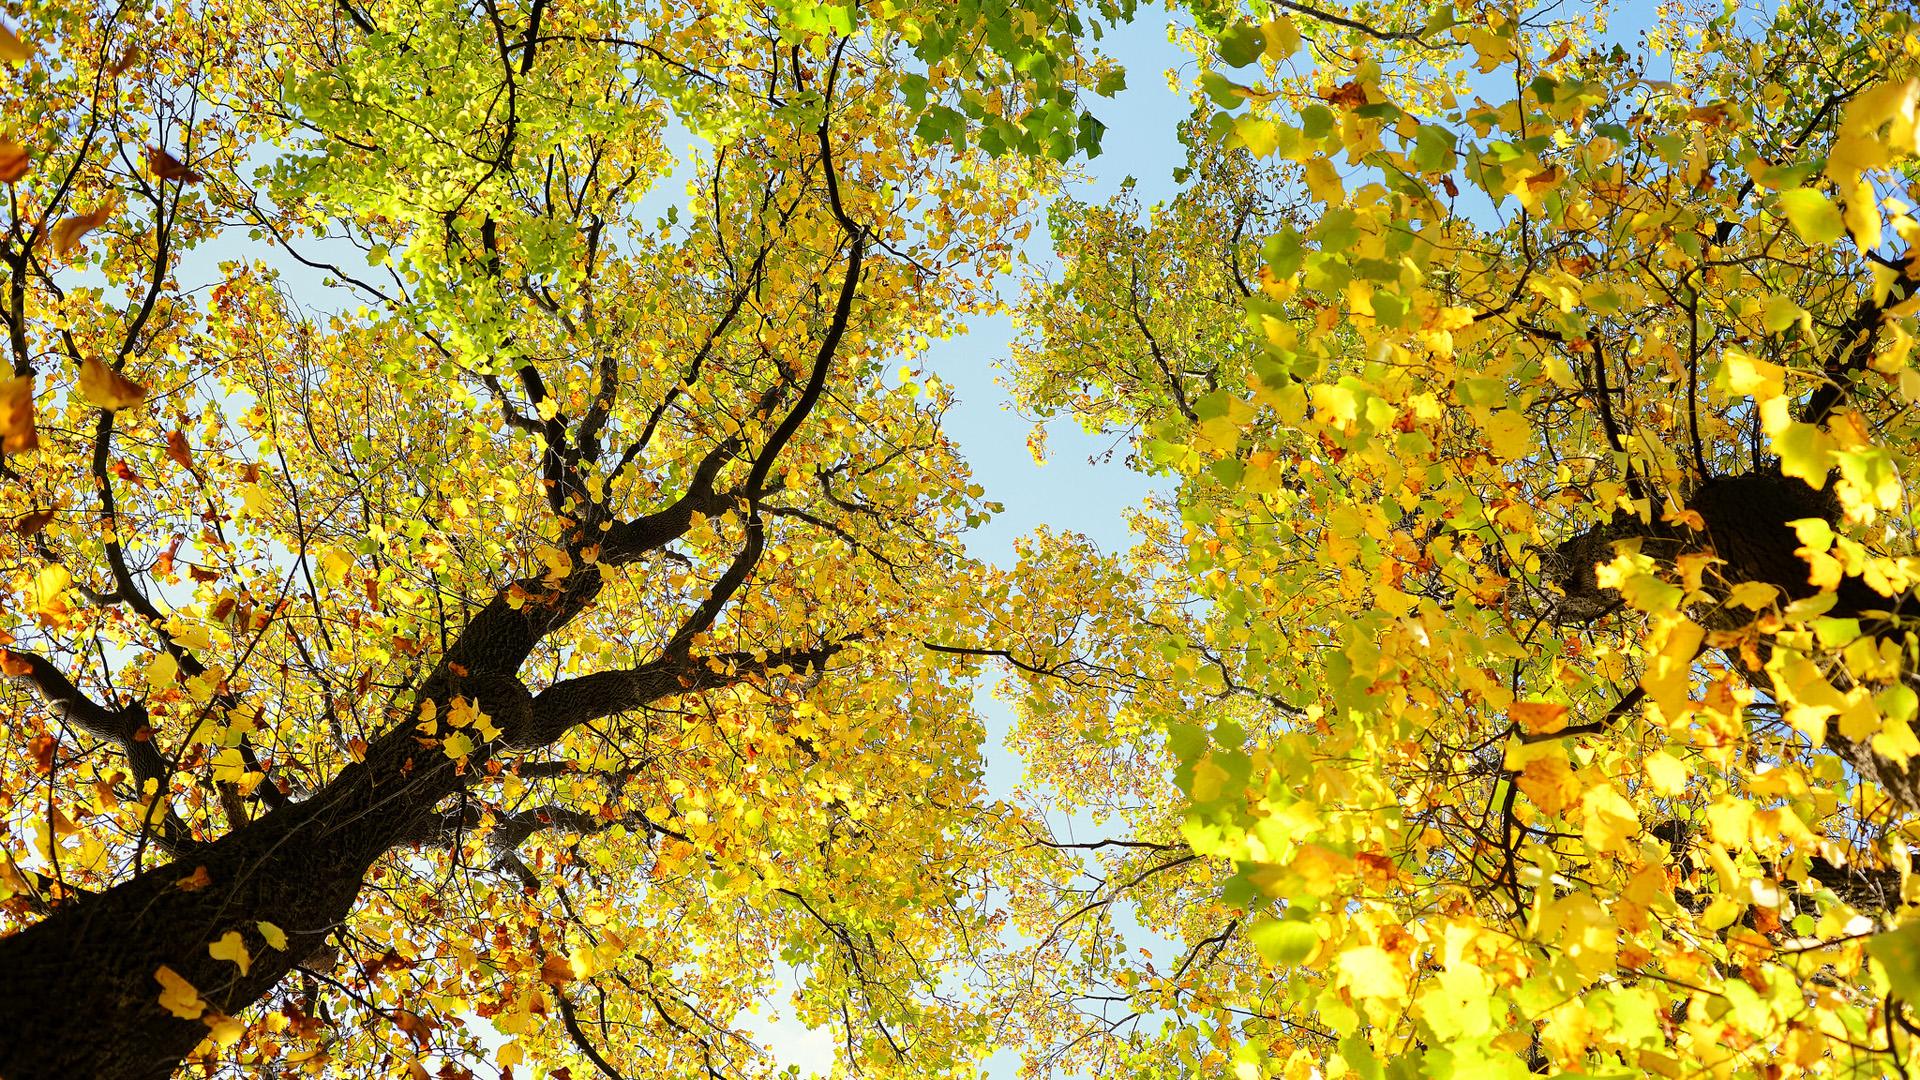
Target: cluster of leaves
x=1520, y=679
x=443, y=588
x=529, y=597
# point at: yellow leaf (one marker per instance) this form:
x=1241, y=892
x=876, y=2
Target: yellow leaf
x=1372, y=972
x=1752, y=595
x=49, y=595
x=1549, y=782
x=1260, y=136
x=1491, y=49
x=177, y=995
x=1898, y=952
x=584, y=964
x=225, y=1030
x=1509, y=435
x=1862, y=215
x=334, y=564
x=1283, y=38
x=275, y=937
x=1536, y=717
x=1895, y=740
x=1608, y=820
x=1805, y=451
x=67, y=234
x=1667, y=774
x=106, y=388
x=1668, y=677
x=13, y=49
x=559, y=564
x=233, y=950
x=162, y=671
x=1745, y=375
x=1876, y=129
x=1324, y=182
x=1782, y=312
x=457, y=745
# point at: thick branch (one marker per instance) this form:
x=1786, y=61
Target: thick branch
x=609, y=693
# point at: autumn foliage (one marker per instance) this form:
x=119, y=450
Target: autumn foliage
x=485, y=588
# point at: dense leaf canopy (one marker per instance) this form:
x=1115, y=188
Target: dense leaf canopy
x=486, y=591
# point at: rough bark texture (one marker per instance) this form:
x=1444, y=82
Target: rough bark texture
x=299, y=867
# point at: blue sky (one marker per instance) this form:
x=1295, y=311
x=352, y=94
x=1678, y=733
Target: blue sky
x=1068, y=491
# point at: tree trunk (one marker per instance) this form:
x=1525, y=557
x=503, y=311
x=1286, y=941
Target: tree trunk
x=78, y=992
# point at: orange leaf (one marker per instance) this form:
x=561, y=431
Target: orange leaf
x=15, y=160
x=12, y=663
x=67, y=234
x=195, y=881
x=556, y=971
x=1535, y=717
x=165, y=166
x=1349, y=95
x=178, y=451
x=41, y=747
x=106, y=388
x=16, y=415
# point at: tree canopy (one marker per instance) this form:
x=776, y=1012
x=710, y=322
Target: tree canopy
x=475, y=609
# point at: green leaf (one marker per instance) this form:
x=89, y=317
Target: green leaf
x=1284, y=942
x=1812, y=215
x=1242, y=45
x=1898, y=952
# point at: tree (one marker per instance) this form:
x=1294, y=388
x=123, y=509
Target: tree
x=505, y=599
x=1521, y=680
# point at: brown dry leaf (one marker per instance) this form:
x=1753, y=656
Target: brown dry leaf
x=178, y=451
x=106, y=388
x=33, y=522
x=1349, y=95
x=127, y=59
x=15, y=160
x=165, y=166
x=17, y=433
x=67, y=234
